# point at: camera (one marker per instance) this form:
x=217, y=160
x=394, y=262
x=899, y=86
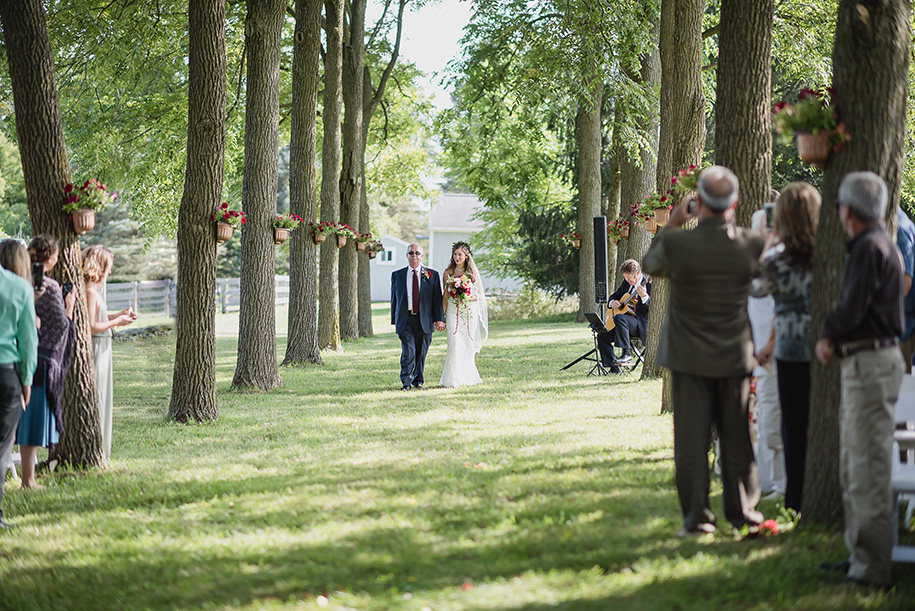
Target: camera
x=691, y=206
x=37, y=275
x=769, y=207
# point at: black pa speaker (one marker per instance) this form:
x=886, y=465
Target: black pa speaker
x=600, y=259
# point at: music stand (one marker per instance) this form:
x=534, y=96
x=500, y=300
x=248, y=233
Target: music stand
x=593, y=355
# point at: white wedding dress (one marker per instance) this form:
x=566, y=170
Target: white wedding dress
x=466, y=335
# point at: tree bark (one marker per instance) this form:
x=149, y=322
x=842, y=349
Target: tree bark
x=46, y=170
x=194, y=380
x=743, y=128
x=328, y=288
x=302, y=335
x=682, y=135
x=614, y=199
x=353, y=173
x=872, y=38
x=256, y=367
x=589, y=190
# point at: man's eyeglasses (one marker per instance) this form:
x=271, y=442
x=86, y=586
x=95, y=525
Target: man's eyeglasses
x=414, y=253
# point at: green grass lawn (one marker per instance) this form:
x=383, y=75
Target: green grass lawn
x=538, y=489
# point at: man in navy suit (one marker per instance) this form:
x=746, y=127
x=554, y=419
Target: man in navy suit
x=416, y=311
x=639, y=286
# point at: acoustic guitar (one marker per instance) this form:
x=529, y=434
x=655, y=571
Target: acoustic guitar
x=624, y=305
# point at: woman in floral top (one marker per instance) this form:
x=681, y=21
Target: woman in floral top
x=787, y=276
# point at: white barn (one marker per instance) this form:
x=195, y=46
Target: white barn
x=392, y=258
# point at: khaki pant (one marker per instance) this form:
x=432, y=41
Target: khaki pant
x=870, y=387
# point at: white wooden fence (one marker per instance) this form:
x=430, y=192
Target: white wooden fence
x=161, y=296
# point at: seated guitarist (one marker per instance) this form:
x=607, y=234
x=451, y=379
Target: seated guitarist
x=629, y=311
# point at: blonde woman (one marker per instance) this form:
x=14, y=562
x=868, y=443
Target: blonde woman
x=97, y=264
x=466, y=318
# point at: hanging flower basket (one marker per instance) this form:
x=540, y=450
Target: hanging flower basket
x=223, y=232
x=624, y=232
x=651, y=226
x=280, y=235
x=813, y=148
x=614, y=240
x=661, y=216
x=576, y=243
x=360, y=246
x=83, y=220
x=319, y=238
x=341, y=241
x=372, y=254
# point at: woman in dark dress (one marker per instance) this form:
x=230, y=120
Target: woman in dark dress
x=40, y=425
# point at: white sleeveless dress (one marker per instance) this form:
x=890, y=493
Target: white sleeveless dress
x=102, y=350
x=466, y=334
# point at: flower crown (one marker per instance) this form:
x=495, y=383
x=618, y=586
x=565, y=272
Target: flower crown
x=460, y=244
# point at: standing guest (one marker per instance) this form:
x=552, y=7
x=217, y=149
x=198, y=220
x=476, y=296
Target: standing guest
x=41, y=424
x=707, y=345
x=905, y=240
x=788, y=277
x=636, y=289
x=416, y=311
x=862, y=330
x=97, y=263
x=770, y=450
x=18, y=358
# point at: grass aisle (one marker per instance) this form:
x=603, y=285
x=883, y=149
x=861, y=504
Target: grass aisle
x=538, y=489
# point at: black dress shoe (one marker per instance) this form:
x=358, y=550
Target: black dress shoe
x=405, y=388
x=865, y=584
x=625, y=359
x=418, y=387
x=4, y=525
x=836, y=567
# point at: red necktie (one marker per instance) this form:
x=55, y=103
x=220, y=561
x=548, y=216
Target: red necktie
x=416, y=291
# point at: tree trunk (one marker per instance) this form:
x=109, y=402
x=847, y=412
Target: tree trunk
x=256, y=367
x=682, y=134
x=328, y=288
x=302, y=335
x=46, y=171
x=871, y=38
x=194, y=380
x=353, y=173
x=743, y=125
x=371, y=98
x=589, y=189
x=639, y=176
x=614, y=200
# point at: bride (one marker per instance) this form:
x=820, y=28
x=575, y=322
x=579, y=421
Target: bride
x=466, y=318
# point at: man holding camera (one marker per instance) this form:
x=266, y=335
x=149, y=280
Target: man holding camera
x=707, y=344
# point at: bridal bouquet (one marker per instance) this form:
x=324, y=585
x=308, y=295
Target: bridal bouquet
x=458, y=288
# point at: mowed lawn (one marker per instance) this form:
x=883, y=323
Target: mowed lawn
x=538, y=489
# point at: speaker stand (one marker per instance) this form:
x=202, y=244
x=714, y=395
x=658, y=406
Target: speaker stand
x=592, y=356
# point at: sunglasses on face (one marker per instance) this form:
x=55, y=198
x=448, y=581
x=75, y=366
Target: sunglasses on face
x=414, y=253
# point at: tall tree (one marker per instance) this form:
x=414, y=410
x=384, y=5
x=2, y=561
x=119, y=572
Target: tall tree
x=46, y=172
x=743, y=130
x=328, y=289
x=194, y=380
x=682, y=133
x=256, y=366
x=373, y=95
x=302, y=340
x=873, y=39
x=589, y=193
x=353, y=171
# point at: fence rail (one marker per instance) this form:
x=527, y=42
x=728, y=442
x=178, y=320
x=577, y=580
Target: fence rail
x=161, y=296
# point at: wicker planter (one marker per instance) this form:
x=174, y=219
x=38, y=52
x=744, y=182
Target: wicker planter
x=813, y=148
x=650, y=225
x=661, y=216
x=341, y=241
x=319, y=238
x=83, y=220
x=372, y=254
x=576, y=243
x=361, y=245
x=223, y=232
x=280, y=235
x=625, y=233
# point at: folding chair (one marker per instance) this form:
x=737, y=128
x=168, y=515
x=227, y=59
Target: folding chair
x=903, y=474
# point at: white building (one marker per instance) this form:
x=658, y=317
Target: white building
x=393, y=257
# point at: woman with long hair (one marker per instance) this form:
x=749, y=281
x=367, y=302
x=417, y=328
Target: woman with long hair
x=41, y=423
x=466, y=318
x=97, y=264
x=788, y=274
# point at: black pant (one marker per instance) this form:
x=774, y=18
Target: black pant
x=698, y=403
x=625, y=323
x=414, y=346
x=794, y=395
x=10, y=409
